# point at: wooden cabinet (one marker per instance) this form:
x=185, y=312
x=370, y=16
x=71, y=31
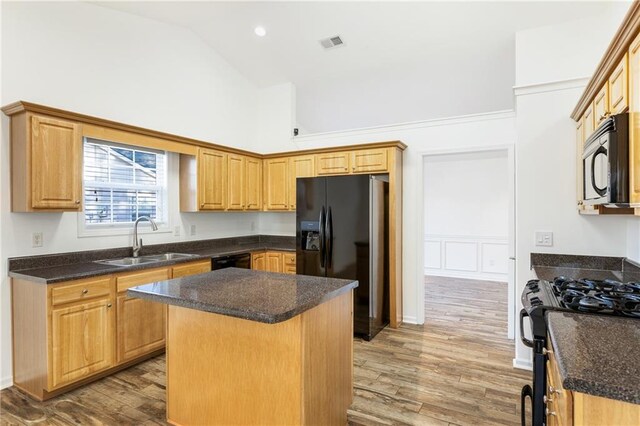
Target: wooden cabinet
x=276, y=184
x=46, y=164
x=212, y=179
x=192, y=268
x=274, y=261
x=236, y=183
x=299, y=167
x=66, y=333
x=634, y=120
x=81, y=340
x=253, y=183
x=289, y=263
x=141, y=323
x=588, y=121
x=333, y=163
x=618, y=93
x=601, y=105
x=259, y=261
x=369, y=161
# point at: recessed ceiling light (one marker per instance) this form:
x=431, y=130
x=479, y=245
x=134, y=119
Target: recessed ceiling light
x=260, y=31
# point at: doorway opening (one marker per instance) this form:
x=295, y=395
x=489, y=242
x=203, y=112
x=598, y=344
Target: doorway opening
x=468, y=238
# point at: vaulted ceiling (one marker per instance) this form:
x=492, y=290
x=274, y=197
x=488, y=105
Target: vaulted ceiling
x=401, y=61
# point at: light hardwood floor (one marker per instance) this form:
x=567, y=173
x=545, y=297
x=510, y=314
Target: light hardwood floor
x=454, y=370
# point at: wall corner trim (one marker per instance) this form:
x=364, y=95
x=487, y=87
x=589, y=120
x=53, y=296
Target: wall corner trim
x=550, y=86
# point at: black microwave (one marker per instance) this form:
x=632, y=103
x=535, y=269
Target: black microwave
x=605, y=163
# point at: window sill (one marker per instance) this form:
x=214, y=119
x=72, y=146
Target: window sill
x=116, y=230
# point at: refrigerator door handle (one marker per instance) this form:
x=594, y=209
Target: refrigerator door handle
x=329, y=242
x=322, y=236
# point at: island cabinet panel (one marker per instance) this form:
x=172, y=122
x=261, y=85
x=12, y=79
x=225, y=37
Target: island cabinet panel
x=235, y=178
x=253, y=183
x=333, y=163
x=212, y=179
x=276, y=188
x=141, y=323
x=81, y=341
x=46, y=164
x=296, y=372
x=300, y=166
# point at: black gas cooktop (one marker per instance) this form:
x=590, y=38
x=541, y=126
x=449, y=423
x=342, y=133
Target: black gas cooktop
x=598, y=296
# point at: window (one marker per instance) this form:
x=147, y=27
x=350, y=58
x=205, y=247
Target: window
x=122, y=183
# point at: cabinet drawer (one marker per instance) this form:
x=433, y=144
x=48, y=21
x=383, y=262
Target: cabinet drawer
x=333, y=163
x=124, y=282
x=82, y=290
x=191, y=269
x=289, y=258
x=370, y=160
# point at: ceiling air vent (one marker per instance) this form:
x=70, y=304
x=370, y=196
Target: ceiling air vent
x=331, y=42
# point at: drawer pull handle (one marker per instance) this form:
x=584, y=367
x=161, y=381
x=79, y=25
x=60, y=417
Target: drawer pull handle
x=109, y=305
x=85, y=291
x=549, y=412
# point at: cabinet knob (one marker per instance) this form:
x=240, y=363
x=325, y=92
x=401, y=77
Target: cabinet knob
x=545, y=399
x=77, y=201
x=201, y=205
x=109, y=305
x=553, y=390
x=546, y=351
x=549, y=412
x=85, y=291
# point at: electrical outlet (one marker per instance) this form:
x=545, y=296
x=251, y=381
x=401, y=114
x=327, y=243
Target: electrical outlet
x=176, y=231
x=37, y=239
x=193, y=230
x=544, y=239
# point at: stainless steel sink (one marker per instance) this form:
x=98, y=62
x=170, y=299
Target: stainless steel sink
x=131, y=261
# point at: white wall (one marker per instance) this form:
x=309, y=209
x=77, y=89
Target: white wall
x=546, y=151
x=276, y=111
x=434, y=136
x=466, y=216
x=118, y=66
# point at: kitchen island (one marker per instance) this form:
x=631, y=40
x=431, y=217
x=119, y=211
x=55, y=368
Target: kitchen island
x=253, y=347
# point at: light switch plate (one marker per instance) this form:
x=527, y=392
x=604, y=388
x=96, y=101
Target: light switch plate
x=544, y=238
x=176, y=231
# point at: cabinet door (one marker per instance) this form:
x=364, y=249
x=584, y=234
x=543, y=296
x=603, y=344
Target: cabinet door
x=601, y=105
x=369, y=160
x=634, y=120
x=141, y=327
x=274, y=261
x=212, y=179
x=333, y=163
x=618, y=94
x=276, y=172
x=300, y=166
x=258, y=261
x=588, y=121
x=56, y=150
x=81, y=341
x=235, y=194
x=253, y=183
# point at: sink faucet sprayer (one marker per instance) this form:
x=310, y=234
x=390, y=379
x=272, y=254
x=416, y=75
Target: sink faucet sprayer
x=137, y=244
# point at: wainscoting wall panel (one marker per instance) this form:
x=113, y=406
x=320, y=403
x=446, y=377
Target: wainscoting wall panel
x=483, y=258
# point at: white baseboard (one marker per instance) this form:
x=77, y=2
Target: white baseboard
x=6, y=382
x=523, y=364
x=466, y=275
x=410, y=319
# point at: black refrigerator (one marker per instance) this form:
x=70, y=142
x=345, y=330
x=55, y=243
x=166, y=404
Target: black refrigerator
x=342, y=232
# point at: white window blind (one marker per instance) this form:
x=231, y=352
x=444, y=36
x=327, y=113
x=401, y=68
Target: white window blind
x=122, y=183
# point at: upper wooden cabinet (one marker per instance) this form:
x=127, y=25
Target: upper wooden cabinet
x=370, y=160
x=601, y=105
x=333, y=163
x=236, y=176
x=618, y=93
x=253, y=183
x=299, y=167
x=212, y=180
x=588, y=121
x=634, y=126
x=276, y=184
x=46, y=164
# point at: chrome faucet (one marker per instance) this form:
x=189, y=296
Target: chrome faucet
x=137, y=244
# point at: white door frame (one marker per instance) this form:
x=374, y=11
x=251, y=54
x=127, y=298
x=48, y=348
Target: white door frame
x=510, y=149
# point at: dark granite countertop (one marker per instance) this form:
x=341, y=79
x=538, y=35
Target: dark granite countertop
x=597, y=354
x=55, y=268
x=267, y=297
x=548, y=266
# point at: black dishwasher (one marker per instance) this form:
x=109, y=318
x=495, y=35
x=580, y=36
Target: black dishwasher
x=232, y=261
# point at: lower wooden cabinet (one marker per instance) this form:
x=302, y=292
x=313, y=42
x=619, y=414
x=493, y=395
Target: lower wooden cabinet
x=69, y=333
x=274, y=261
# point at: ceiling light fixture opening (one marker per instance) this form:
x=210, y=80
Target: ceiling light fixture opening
x=260, y=31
